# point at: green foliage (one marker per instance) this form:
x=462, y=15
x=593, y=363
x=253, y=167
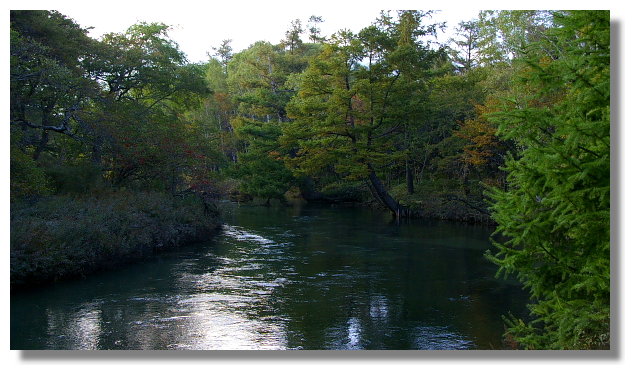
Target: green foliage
x=464, y=54
x=50, y=79
x=384, y=100
x=314, y=30
x=150, y=138
x=140, y=57
x=555, y=213
x=27, y=178
x=264, y=177
x=360, y=102
x=119, y=105
x=261, y=80
x=80, y=177
x=215, y=76
x=261, y=168
x=503, y=34
x=345, y=191
x=292, y=39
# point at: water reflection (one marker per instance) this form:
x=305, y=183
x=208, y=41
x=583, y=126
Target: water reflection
x=81, y=329
x=354, y=334
x=439, y=338
x=379, y=308
x=309, y=278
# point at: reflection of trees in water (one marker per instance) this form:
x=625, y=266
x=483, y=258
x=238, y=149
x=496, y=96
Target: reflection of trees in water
x=382, y=289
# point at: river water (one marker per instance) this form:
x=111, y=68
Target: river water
x=301, y=277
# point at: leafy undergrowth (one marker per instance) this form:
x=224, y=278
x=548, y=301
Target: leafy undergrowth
x=62, y=236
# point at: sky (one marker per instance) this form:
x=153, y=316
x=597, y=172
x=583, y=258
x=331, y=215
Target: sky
x=198, y=28
x=200, y=25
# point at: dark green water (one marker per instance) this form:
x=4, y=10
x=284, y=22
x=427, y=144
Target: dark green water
x=286, y=278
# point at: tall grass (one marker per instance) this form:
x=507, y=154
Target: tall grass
x=63, y=236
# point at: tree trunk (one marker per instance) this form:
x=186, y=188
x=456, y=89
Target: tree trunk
x=96, y=154
x=44, y=139
x=409, y=178
x=384, y=197
x=465, y=181
x=466, y=186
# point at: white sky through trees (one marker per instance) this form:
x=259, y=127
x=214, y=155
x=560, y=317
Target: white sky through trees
x=200, y=25
x=198, y=28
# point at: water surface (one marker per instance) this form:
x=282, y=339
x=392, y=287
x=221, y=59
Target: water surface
x=303, y=277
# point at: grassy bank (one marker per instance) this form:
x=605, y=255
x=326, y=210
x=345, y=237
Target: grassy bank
x=63, y=237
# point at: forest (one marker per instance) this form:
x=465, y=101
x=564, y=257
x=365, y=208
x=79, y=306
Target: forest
x=120, y=145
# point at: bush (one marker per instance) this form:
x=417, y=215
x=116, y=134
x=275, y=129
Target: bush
x=78, y=178
x=27, y=178
x=436, y=201
x=345, y=191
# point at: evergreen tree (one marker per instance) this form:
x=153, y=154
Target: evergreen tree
x=465, y=52
x=314, y=30
x=258, y=83
x=555, y=214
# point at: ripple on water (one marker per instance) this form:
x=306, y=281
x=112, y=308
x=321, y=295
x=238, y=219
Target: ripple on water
x=241, y=234
x=439, y=338
x=215, y=297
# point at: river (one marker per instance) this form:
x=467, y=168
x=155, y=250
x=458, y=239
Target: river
x=300, y=277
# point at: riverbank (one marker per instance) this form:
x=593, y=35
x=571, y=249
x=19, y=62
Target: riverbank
x=65, y=237
x=448, y=207
x=429, y=204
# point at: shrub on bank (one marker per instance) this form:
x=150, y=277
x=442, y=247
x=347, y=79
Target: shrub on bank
x=443, y=203
x=62, y=236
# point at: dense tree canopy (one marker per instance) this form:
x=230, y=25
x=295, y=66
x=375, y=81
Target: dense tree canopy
x=119, y=103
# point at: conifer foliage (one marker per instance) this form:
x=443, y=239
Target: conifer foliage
x=555, y=215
